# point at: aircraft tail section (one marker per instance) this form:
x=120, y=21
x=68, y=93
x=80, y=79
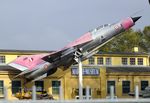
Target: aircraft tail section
x=17, y=66
x=27, y=62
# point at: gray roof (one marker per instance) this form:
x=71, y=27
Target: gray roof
x=7, y=50
x=48, y=51
x=128, y=69
x=4, y=51
x=124, y=53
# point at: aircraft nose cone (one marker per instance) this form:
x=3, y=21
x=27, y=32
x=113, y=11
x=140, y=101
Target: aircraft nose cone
x=136, y=18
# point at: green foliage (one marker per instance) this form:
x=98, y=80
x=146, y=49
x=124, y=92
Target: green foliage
x=146, y=38
x=128, y=40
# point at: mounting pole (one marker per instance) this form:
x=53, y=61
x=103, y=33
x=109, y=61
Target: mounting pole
x=80, y=79
x=77, y=58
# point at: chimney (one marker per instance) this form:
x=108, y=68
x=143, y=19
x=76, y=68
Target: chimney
x=135, y=49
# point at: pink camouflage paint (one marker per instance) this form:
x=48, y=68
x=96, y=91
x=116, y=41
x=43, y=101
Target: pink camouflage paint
x=127, y=23
x=83, y=39
x=37, y=67
x=30, y=62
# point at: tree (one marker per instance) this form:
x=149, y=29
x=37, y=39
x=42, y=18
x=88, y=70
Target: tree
x=145, y=42
x=124, y=42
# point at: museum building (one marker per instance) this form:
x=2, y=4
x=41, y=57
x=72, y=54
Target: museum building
x=122, y=70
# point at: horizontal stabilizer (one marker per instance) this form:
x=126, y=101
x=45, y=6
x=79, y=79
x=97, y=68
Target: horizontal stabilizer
x=40, y=77
x=17, y=66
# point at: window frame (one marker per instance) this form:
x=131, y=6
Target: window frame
x=108, y=61
x=132, y=61
x=124, y=88
x=37, y=88
x=18, y=89
x=100, y=60
x=142, y=87
x=91, y=60
x=140, y=62
x=2, y=88
x=2, y=59
x=108, y=87
x=124, y=61
x=57, y=88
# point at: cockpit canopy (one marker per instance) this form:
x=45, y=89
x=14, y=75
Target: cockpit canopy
x=100, y=27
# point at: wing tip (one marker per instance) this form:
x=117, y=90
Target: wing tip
x=17, y=66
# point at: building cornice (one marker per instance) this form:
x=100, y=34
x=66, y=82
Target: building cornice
x=21, y=52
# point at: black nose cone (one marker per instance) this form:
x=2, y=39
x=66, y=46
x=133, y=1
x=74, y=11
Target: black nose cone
x=136, y=18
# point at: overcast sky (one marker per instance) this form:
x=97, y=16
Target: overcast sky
x=51, y=24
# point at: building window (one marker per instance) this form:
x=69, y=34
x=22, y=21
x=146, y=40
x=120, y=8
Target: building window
x=132, y=61
x=124, y=61
x=91, y=61
x=109, y=84
x=18, y=56
x=140, y=61
x=1, y=87
x=144, y=84
x=108, y=61
x=55, y=87
x=39, y=86
x=125, y=87
x=2, y=59
x=16, y=86
x=100, y=61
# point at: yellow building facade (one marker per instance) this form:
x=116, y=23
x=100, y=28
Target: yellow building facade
x=122, y=70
